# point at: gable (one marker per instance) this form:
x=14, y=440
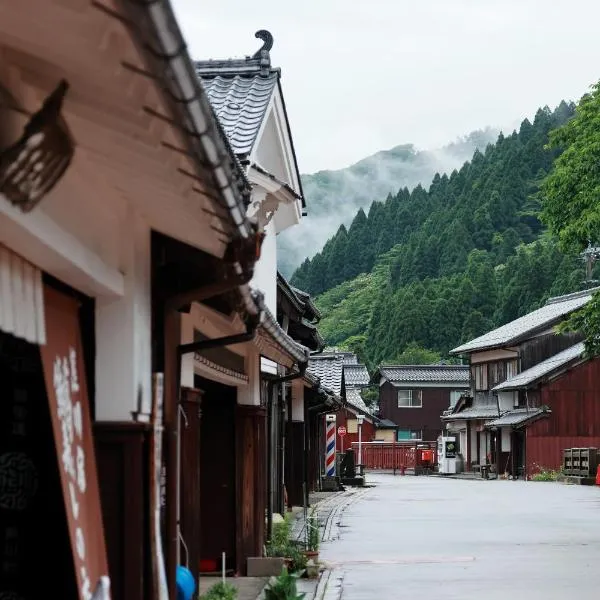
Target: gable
x=274, y=148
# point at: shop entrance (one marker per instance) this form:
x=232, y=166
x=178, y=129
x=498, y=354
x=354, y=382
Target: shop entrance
x=35, y=552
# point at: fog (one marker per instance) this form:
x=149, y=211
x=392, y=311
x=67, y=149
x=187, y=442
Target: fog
x=334, y=197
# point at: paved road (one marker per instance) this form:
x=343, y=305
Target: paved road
x=441, y=539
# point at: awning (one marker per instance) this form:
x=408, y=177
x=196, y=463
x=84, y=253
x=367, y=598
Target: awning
x=519, y=417
x=274, y=343
x=21, y=298
x=209, y=369
x=472, y=413
x=542, y=370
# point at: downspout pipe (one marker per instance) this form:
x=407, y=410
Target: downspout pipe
x=270, y=387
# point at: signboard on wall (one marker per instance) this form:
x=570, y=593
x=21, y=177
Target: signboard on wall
x=64, y=375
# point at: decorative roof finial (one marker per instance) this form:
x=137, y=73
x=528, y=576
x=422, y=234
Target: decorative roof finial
x=263, y=52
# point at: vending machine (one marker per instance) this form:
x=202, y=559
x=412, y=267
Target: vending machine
x=447, y=455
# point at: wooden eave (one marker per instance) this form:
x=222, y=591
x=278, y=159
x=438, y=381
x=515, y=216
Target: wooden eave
x=128, y=148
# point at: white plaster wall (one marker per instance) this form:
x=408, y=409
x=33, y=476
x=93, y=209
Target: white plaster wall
x=123, y=331
x=505, y=439
x=265, y=270
x=506, y=400
x=297, y=400
x=249, y=394
x=473, y=444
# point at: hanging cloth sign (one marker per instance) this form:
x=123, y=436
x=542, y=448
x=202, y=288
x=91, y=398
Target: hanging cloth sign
x=69, y=409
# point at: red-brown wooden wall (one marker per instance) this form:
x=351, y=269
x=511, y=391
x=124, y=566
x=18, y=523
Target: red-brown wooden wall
x=574, y=399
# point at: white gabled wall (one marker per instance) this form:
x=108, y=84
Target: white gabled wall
x=265, y=270
x=123, y=332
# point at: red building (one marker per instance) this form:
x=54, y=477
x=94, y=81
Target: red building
x=564, y=390
x=414, y=397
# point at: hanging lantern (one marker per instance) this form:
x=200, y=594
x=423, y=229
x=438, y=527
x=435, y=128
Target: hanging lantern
x=33, y=165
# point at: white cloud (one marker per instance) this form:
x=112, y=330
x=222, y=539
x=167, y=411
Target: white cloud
x=362, y=76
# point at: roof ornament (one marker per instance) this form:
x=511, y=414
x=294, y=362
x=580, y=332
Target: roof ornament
x=263, y=53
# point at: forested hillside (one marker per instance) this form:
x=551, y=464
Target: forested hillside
x=333, y=197
x=439, y=266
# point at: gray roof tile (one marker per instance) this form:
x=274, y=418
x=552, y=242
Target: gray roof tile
x=240, y=102
x=354, y=398
x=518, y=416
x=454, y=374
x=356, y=375
x=552, y=312
x=329, y=370
x=546, y=367
x=473, y=412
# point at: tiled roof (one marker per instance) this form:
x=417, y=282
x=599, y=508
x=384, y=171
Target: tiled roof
x=349, y=357
x=454, y=374
x=239, y=100
x=356, y=375
x=354, y=398
x=518, y=416
x=473, y=412
x=542, y=369
x=329, y=370
x=386, y=424
x=552, y=312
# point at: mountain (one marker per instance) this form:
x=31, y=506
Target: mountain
x=333, y=197
x=432, y=268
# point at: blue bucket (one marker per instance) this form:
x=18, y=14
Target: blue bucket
x=186, y=585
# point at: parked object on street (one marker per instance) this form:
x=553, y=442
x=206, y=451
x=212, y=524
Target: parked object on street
x=447, y=455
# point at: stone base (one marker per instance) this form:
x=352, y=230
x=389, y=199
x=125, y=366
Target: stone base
x=574, y=480
x=265, y=566
x=353, y=481
x=330, y=484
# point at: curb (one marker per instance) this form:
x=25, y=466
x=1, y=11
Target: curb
x=322, y=585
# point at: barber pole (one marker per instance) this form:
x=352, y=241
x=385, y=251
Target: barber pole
x=330, y=445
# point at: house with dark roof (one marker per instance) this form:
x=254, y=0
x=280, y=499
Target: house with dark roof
x=246, y=384
x=414, y=397
x=532, y=393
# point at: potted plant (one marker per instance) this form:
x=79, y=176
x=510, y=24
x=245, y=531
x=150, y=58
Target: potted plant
x=220, y=591
x=283, y=587
x=312, y=537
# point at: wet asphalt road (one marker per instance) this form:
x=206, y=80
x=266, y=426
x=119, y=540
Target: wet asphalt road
x=440, y=539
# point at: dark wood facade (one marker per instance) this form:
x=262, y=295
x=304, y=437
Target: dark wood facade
x=575, y=419
x=122, y=451
x=435, y=400
x=251, y=483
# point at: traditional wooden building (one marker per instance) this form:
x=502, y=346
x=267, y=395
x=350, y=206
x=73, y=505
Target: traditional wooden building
x=414, y=397
x=239, y=388
x=298, y=316
x=509, y=367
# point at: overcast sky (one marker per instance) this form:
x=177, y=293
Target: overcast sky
x=361, y=76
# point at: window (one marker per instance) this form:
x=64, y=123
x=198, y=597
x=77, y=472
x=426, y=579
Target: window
x=409, y=434
x=410, y=398
x=512, y=368
x=480, y=377
x=351, y=426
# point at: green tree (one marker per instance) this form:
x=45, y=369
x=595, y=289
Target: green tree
x=571, y=198
x=414, y=354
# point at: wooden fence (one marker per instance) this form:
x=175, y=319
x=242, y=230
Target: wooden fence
x=396, y=455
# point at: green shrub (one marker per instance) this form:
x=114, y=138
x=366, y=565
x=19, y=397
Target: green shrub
x=220, y=591
x=283, y=587
x=544, y=474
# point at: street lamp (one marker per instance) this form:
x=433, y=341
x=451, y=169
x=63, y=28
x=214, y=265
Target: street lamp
x=359, y=420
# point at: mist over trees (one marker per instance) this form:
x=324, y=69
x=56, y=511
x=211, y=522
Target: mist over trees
x=334, y=197
x=430, y=268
